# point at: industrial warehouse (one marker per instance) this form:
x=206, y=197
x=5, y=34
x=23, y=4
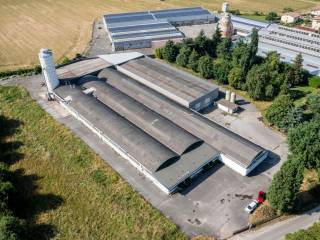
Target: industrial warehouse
x=151, y=29
x=156, y=129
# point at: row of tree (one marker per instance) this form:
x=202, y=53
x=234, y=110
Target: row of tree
x=236, y=65
x=303, y=127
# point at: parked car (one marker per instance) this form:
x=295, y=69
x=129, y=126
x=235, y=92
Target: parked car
x=251, y=206
x=261, y=197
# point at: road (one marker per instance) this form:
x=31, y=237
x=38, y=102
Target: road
x=278, y=231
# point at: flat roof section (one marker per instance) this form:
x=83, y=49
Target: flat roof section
x=135, y=142
x=166, y=132
x=187, y=164
x=81, y=68
x=241, y=150
x=157, y=75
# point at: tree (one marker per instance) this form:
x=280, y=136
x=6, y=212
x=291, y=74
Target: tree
x=305, y=141
x=253, y=48
x=221, y=71
x=296, y=75
x=313, y=104
x=311, y=233
x=170, y=51
x=205, y=67
x=239, y=54
x=293, y=118
x=158, y=53
x=257, y=81
x=285, y=184
x=272, y=16
x=183, y=56
x=235, y=78
x=193, y=60
x=201, y=43
x=224, y=49
x=216, y=40
x=278, y=110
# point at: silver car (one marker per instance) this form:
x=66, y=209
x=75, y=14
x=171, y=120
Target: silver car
x=251, y=206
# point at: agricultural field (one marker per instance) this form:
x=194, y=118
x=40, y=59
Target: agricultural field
x=65, y=25
x=69, y=192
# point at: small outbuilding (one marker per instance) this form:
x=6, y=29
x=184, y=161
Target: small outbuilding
x=227, y=106
x=290, y=17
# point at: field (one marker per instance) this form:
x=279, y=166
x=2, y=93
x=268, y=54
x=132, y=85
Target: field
x=65, y=25
x=65, y=191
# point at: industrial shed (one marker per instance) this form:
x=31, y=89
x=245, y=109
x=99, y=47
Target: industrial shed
x=166, y=141
x=160, y=164
x=181, y=87
x=151, y=28
x=235, y=151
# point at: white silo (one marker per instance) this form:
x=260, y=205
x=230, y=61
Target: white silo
x=233, y=97
x=48, y=70
x=228, y=95
x=225, y=7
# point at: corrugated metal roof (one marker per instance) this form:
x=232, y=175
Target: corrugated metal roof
x=223, y=140
x=81, y=68
x=118, y=58
x=142, y=147
x=160, y=128
x=183, y=85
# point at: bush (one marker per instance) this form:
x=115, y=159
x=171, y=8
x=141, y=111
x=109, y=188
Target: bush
x=263, y=214
x=314, y=82
x=158, y=53
x=11, y=228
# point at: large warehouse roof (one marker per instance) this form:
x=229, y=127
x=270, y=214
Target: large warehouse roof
x=160, y=128
x=230, y=144
x=161, y=77
x=150, y=153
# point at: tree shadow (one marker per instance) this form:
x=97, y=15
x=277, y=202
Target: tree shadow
x=25, y=201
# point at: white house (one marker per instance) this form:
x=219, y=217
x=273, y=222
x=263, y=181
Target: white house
x=290, y=17
x=316, y=23
x=315, y=12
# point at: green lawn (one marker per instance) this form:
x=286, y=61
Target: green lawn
x=65, y=191
x=260, y=18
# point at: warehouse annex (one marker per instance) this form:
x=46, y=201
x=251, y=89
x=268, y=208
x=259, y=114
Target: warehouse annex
x=155, y=128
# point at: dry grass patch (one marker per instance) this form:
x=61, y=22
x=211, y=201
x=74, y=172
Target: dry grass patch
x=263, y=214
x=65, y=25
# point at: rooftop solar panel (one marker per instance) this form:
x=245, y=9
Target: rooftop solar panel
x=177, y=10
x=176, y=14
x=130, y=18
x=115, y=15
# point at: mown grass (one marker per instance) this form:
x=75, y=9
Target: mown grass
x=94, y=202
x=65, y=25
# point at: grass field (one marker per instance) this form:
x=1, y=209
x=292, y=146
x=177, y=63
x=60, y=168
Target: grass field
x=66, y=191
x=65, y=25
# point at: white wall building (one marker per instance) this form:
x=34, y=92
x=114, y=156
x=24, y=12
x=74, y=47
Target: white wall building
x=315, y=12
x=316, y=23
x=290, y=17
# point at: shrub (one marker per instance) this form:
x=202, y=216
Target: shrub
x=263, y=214
x=193, y=61
x=158, y=53
x=314, y=82
x=11, y=228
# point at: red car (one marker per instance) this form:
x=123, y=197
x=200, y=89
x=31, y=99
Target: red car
x=261, y=197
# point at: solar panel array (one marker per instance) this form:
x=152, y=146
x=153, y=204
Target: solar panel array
x=139, y=29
